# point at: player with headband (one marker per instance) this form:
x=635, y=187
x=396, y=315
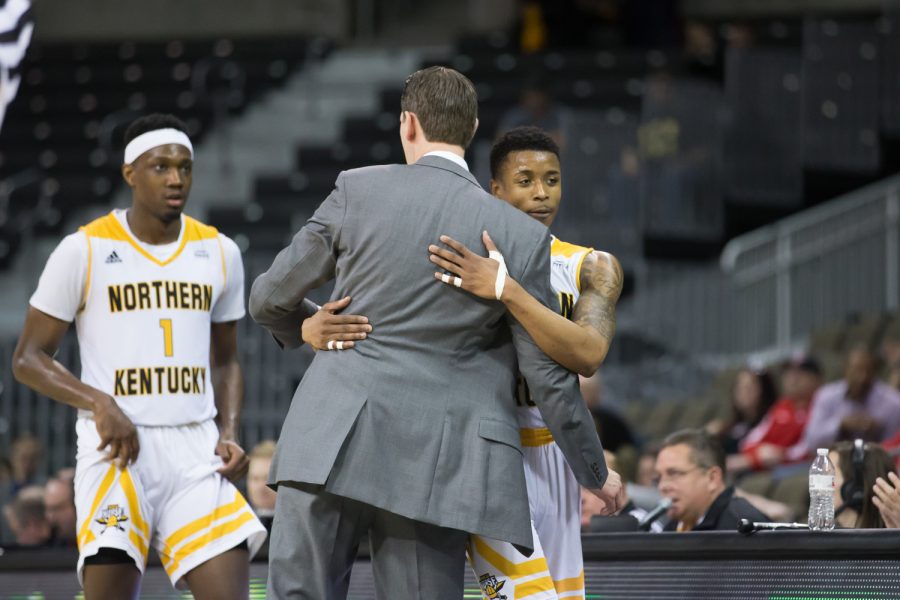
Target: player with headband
x=156, y=297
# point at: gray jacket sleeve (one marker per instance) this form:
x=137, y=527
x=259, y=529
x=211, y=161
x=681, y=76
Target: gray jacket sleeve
x=554, y=389
x=277, y=298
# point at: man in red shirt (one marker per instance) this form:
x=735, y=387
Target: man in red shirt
x=782, y=427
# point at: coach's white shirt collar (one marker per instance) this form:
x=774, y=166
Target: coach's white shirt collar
x=449, y=156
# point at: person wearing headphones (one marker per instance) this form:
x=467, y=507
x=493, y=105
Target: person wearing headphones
x=857, y=467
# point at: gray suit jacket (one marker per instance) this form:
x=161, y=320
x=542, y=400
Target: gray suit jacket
x=419, y=419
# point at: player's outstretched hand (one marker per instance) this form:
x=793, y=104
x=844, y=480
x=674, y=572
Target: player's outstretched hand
x=887, y=500
x=612, y=494
x=478, y=274
x=326, y=326
x=116, y=432
x=236, y=461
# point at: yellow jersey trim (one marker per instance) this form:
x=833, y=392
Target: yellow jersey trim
x=561, y=248
x=222, y=256
x=108, y=227
x=578, y=269
x=87, y=279
x=535, y=437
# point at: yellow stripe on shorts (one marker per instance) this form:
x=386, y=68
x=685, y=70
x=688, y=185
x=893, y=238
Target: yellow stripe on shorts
x=571, y=584
x=202, y=523
x=85, y=535
x=506, y=566
x=137, y=519
x=210, y=536
x=535, y=437
x=535, y=586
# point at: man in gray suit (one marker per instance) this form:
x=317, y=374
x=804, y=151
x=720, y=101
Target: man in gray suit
x=412, y=437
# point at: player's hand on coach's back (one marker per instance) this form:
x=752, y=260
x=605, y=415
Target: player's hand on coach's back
x=116, y=432
x=612, y=493
x=327, y=326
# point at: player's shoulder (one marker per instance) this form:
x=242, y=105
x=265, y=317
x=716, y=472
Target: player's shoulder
x=106, y=226
x=559, y=247
x=195, y=230
x=75, y=242
x=600, y=270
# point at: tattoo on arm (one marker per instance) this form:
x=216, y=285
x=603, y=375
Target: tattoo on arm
x=603, y=277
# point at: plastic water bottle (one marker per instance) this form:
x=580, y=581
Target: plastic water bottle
x=821, y=492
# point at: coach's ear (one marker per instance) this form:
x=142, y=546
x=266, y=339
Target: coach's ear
x=128, y=174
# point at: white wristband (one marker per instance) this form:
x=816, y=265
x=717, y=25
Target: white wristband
x=501, y=272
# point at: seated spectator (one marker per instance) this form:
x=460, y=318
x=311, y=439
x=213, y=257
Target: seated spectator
x=887, y=499
x=782, y=427
x=24, y=456
x=27, y=519
x=645, y=474
x=59, y=504
x=858, y=406
x=690, y=470
x=752, y=395
x=261, y=496
x=858, y=466
x=614, y=432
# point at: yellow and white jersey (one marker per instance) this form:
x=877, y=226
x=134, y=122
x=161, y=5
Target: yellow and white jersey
x=143, y=313
x=565, y=278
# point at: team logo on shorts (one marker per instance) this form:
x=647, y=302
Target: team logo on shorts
x=491, y=587
x=112, y=516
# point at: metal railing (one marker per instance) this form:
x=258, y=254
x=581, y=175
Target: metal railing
x=818, y=266
x=775, y=286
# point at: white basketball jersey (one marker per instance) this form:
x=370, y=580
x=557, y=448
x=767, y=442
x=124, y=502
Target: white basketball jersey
x=144, y=324
x=565, y=279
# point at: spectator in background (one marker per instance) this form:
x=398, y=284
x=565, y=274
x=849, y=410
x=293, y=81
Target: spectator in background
x=261, y=496
x=858, y=406
x=854, y=485
x=536, y=107
x=890, y=353
x=59, y=505
x=783, y=425
x=752, y=395
x=24, y=456
x=614, y=432
x=27, y=519
x=645, y=474
x=887, y=499
x=690, y=470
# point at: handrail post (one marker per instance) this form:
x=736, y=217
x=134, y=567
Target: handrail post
x=783, y=259
x=892, y=250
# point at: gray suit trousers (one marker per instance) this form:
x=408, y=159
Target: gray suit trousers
x=316, y=534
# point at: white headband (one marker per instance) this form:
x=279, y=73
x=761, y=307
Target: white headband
x=152, y=139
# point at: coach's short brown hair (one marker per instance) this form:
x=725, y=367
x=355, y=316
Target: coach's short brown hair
x=445, y=102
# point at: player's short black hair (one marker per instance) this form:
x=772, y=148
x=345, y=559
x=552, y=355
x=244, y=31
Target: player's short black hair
x=153, y=122
x=517, y=140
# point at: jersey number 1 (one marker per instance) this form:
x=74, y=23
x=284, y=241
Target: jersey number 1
x=166, y=325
